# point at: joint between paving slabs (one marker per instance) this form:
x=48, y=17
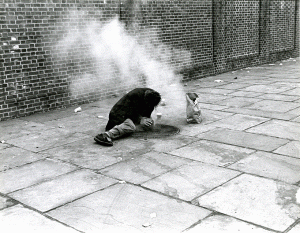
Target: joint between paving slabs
x=37, y=211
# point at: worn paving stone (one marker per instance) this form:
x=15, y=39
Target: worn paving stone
x=195, y=129
x=212, y=152
x=271, y=166
x=258, y=200
x=270, y=89
x=209, y=116
x=278, y=128
x=167, y=144
x=88, y=124
x=97, y=109
x=11, y=156
x=211, y=106
x=17, y=128
x=234, y=86
x=217, y=91
x=27, y=175
x=238, y=102
x=20, y=219
x=222, y=223
x=295, y=229
x=88, y=154
x=273, y=105
x=191, y=180
x=5, y=202
x=297, y=119
x=269, y=114
x=144, y=167
x=62, y=189
x=295, y=111
x=209, y=98
x=239, y=122
x=51, y=115
x=245, y=94
x=295, y=91
x=279, y=97
x=244, y=139
x=291, y=149
x=45, y=139
x=128, y=207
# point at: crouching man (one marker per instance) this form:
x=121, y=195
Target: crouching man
x=132, y=109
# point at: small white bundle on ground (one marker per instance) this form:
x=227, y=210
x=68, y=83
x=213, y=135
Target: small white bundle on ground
x=193, y=112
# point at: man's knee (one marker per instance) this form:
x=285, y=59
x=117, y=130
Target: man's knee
x=129, y=126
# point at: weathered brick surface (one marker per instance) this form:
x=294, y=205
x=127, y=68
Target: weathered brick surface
x=46, y=45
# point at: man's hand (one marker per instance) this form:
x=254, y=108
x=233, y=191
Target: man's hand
x=146, y=122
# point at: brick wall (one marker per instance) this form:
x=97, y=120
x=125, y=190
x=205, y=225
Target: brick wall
x=56, y=53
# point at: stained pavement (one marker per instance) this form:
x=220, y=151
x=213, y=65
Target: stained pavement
x=237, y=171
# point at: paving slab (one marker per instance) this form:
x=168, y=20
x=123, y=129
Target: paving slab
x=291, y=149
x=45, y=139
x=234, y=86
x=128, y=207
x=239, y=122
x=11, y=156
x=191, y=180
x=30, y=174
x=295, y=91
x=88, y=124
x=297, y=119
x=88, y=154
x=270, y=165
x=211, y=106
x=61, y=190
x=270, y=89
x=295, y=111
x=195, y=129
x=238, y=102
x=17, y=128
x=278, y=128
x=209, y=116
x=273, y=105
x=295, y=229
x=257, y=200
x=97, y=109
x=20, y=219
x=245, y=94
x=6, y=202
x=244, y=139
x=217, y=91
x=279, y=97
x=51, y=115
x=169, y=143
x=222, y=223
x=212, y=152
x=268, y=114
x=209, y=98
x=144, y=167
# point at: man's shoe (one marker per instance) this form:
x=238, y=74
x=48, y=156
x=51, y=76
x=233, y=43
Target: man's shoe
x=103, y=139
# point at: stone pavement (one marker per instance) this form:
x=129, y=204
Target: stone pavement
x=237, y=171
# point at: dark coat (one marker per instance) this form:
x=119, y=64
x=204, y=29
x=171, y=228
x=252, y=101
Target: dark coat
x=132, y=106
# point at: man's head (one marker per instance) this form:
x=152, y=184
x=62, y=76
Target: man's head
x=152, y=98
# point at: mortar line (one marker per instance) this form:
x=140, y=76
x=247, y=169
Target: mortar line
x=37, y=211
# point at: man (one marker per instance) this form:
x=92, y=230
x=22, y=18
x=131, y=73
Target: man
x=132, y=109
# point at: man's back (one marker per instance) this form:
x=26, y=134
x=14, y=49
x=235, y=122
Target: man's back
x=132, y=106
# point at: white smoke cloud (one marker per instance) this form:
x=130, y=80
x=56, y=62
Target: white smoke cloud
x=124, y=61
